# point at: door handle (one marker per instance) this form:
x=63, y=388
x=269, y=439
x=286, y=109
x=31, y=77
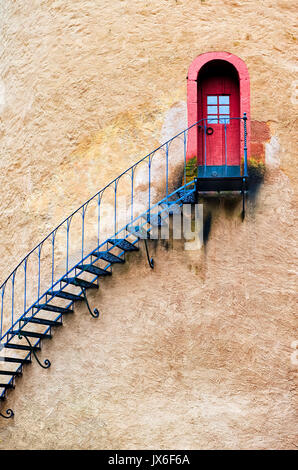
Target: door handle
x=209, y=131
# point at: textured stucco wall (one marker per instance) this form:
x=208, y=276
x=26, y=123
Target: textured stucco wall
x=195, y=354
x=86, y=88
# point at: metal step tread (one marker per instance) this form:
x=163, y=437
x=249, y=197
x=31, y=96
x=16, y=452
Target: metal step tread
x=13, y=373
x=21, y=347
x=187, y=197
x=32, y=334
x=8, y=386
x=90, y=268
x=171, y=207
x=76, y=281
x=67, y=295
x=108, y=256
x=43, y=321
x=53, y=308
x=15, y=360
x=138, y=230
x=123, y=244
x=155, y=220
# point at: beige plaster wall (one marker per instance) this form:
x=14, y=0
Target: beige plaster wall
x=194, y=354
x=86, y=86
x=197, y=353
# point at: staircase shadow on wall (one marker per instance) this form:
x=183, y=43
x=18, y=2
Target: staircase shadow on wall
x=229, y=204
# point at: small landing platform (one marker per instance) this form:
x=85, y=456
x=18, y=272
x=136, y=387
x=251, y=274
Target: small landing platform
x=225, y=183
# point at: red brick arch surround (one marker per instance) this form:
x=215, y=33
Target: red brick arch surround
x=192, y=96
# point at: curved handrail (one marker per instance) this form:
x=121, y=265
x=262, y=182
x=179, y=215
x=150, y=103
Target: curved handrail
x=95, y=195
x=164, y=162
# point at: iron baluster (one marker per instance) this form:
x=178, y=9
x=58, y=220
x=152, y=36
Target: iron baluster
x=245, y=144
x=132, y=189
x=25, y=284
x=83, y=229
x=39, y=255
x=184, y=157
x=226, y=153
x=98, y=219
x=149, y=188
x=115, y=207
x=205, y=149
x=12, y=297
x=2, y=309
x=68, y=222
x=167, y=169
x=53, y=255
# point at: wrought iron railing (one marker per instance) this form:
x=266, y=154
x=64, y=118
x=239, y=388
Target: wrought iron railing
x=225, y=122
x=154, y=179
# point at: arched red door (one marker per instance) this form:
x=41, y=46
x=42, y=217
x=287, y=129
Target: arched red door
x=218, y=93
x=219, y=106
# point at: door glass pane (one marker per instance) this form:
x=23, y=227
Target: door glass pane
x=224, y=119
x=212, y=120
x=212, y=109
x=224, y=99
x=211, y=99
x=224, y=109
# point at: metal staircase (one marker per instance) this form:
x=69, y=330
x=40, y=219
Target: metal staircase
x=81, y=251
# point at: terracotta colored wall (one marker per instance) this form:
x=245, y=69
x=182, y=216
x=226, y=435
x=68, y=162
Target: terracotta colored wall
x=260, y=134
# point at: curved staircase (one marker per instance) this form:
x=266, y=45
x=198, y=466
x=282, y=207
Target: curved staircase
x=22, y=333
x=81, y=250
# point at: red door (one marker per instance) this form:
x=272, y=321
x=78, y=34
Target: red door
x=219, y=106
